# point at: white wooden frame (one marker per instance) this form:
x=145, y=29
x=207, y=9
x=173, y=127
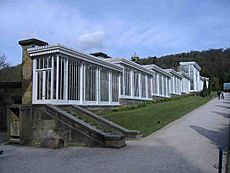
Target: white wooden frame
x=65, y=100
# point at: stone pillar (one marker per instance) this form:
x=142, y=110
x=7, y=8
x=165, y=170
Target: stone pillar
x=27, y=68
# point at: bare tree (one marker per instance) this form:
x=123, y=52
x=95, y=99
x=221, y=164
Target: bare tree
x=3, y=62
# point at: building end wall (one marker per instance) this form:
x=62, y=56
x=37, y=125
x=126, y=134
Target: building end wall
x=27, y=68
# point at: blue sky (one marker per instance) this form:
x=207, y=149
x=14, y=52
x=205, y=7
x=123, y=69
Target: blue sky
x=117, y=27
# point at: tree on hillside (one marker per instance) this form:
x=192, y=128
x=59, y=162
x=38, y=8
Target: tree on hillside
x=216, y=84
x=209, y=86
x=204, y=92
x=3, y=62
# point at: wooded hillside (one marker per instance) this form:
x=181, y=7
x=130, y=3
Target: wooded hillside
x=11, y=74
x=215, y=63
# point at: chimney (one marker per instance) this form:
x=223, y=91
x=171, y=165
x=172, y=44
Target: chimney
x=27, y=68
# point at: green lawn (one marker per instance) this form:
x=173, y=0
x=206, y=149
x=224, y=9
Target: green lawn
x=154, y=116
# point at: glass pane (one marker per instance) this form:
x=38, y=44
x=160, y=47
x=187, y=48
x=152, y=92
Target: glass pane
x=136, y=84
x=39, y=86
x=122, y=77
x=90, y=82
x=104, y=84
x=149, y=87
x=45, y=62
x=185, y=68
x=127, y=82
x=70, y=81
x=61, y=75
x=165, y=86
x=160, y=84
x=47, y=84
x=155, y=84
x=115, y=86
x=38, y=63
x=41, y=63
x=50, y=62
x=143, y=84
x=54, y=77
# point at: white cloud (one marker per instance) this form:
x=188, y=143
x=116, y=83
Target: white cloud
x=94, y=40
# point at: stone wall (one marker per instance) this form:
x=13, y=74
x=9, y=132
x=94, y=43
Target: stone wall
x=157, y=97
x=174, y=95
x=9, y=92
x=36, y=121
x=130, y=102
x=7, y=96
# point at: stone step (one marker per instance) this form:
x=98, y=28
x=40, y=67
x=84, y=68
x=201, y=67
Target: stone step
x=129, y=134
x=90, y=122
x=94, y=134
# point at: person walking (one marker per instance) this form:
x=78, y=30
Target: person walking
x=222, y=95
x=218, y=94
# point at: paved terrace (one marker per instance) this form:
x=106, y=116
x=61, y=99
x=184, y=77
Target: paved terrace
x=189, y=144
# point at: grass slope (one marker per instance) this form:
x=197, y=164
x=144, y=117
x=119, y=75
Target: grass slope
x=152, y=117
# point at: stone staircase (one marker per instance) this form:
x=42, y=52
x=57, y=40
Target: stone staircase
x=73, y=124
x=100, y=122
x=90, y=130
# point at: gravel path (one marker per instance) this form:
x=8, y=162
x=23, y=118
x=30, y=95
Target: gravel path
x=188, y=145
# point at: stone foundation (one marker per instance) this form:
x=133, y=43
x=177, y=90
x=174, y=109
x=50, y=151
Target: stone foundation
x=130, y=102
x=174, y=95
x=29, y=124
x=9, y=95
x=157, y=97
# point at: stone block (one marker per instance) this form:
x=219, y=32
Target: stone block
x=130, y=102
x=52, y=140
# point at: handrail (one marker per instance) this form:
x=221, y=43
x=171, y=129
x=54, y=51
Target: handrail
x=76, y=129
x=105, y=121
